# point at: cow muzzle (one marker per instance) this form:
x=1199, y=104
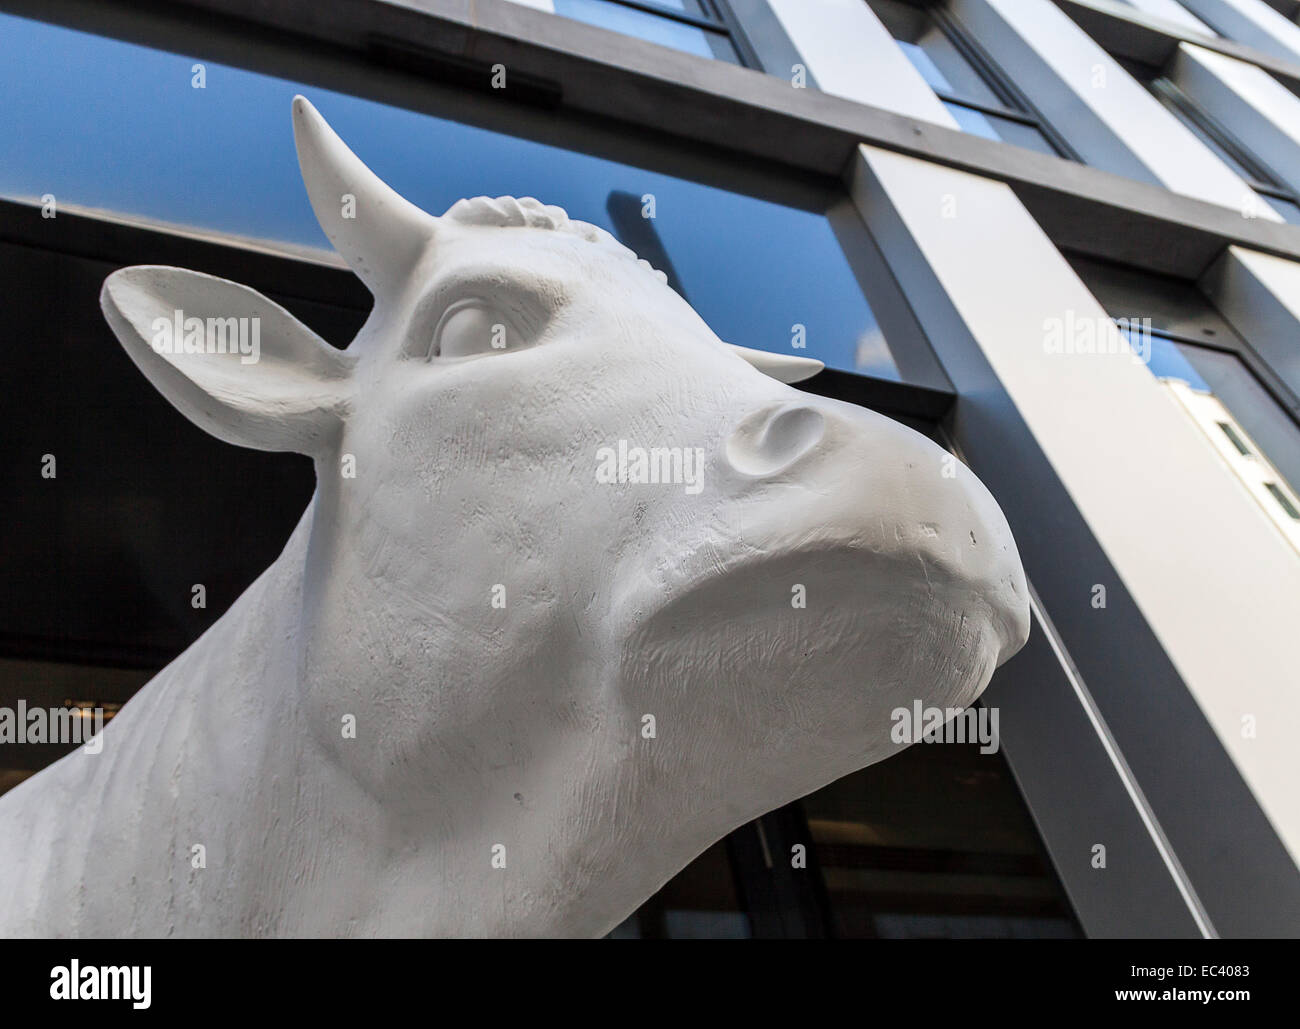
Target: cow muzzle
x=825, y=476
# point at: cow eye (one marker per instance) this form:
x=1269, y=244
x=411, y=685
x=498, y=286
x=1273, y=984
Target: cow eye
x=473, y=327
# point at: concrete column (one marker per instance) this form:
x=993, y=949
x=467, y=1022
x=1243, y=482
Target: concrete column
x=1252, y=22
x=853, y=55
x=1108, y=117
x=1257, y=109
x=1218, y=585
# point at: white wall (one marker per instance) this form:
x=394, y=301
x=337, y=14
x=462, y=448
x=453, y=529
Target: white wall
x=1218, y=584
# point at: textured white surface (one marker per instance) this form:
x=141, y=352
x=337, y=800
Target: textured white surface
x=520, y=727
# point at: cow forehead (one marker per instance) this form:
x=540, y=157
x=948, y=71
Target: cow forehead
x=596, y=294
x=523, y=253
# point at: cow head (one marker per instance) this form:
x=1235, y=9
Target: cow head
x=494, y=592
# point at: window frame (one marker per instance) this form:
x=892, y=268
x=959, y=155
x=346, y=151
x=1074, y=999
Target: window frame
x=1259, y=177
x=721, y=19
x=1013, y=106
x=1221, y=336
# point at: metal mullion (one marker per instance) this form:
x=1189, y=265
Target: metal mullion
x=965, y=46
x=694, y=20
x=1278, y=192
x=736, y=33
x=1001, y=83
x=983, y=108
x=1207, y=124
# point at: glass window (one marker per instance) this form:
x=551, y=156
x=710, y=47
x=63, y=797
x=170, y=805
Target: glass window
x=968, y=85
x=942, y=66
x=112, y=126
x=1256, y=415
x=993, y=126
x=701, y=902
x=1197, y=357
x=934, y=842
x=687, y=25
x=1221, y=143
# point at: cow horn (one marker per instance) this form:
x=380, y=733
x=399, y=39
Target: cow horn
x=386, y=234
x=782, y=367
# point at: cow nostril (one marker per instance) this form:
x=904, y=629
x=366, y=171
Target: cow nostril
x=766, y=443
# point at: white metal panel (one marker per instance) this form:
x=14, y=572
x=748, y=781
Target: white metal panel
x=1252, y=22
x=1219, y=586
x=852, y=55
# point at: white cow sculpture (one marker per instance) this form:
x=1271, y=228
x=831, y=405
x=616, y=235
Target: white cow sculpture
x=563, y=688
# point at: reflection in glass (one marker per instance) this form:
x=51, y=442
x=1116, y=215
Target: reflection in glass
x=114, y=126
x=943, y=68
x=653, y=28
x=700, y=902
x=992, y=126
x=934, y=842
x=1255, y=437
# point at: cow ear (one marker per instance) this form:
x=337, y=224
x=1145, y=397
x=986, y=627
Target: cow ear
x=230, y=360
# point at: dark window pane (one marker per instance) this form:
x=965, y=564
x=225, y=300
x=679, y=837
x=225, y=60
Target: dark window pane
x=651, y=27
x=1254, y=409
x=699, y=902
x=91, y=120
x=1235, y=438
x=1283, y=500
x=934, y=842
